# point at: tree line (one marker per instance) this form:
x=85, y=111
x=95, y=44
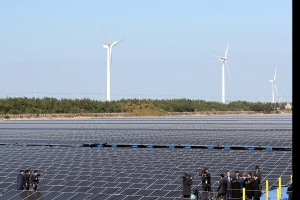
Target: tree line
x=49, y=105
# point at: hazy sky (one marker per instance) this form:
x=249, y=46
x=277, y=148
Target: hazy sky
x=55, y=49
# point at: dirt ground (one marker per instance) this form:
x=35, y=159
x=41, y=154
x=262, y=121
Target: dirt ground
x=204, y=113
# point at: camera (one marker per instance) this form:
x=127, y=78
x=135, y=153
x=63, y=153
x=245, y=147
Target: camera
x=187, y=176
x=191, y=177
x=203, y=173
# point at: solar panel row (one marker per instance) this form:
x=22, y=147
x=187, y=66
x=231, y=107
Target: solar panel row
x=274, y=131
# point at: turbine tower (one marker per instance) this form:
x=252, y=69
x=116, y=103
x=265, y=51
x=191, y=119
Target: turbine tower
x=273, y=86
x=109, y=47
x=224, y=61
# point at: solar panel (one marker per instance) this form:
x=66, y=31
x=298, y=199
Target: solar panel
x=80, y=196
x=68, y=189
x=13, y=193
x=57, y=188
x=129, y=197
x=124, y=186
x=100, y=197
x=47, y=196
x=159, y=193
x=65, y=195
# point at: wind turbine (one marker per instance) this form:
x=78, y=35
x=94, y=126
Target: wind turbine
x=273, y=86
x=224, y=61
x=109, y=47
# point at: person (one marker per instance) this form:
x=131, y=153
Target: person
x=195, y=194
x=206, y=182
x=229, y=180
x=34, y=179
x=248, y=186
x=27, y=177
x=242, y=180
x=187, y=181
x=237, y=174
x=256, y=187
x=289, y=190
x=235, y=189
x=222, y=188
x=20, y=180
x=257, y=173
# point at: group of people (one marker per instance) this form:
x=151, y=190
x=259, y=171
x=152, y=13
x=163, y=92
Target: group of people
x=232, y=187
x=26, y=179
x=229, y=188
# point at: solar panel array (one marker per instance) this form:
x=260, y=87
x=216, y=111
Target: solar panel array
x=69, y=172
x=253, y=130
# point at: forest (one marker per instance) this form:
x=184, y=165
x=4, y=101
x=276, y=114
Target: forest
x=139, y=107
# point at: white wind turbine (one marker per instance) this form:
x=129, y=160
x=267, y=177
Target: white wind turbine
x=109, y=47
x=224, y=61
x=273, y=86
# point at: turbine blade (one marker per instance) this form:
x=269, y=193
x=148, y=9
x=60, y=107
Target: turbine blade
x=274, y=75
x=228, y=70
x=115, y=43
x=226, y=51
x=218, y=56
x=106, y=38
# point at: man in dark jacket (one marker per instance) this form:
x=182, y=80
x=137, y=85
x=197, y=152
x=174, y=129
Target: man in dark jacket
x=20, y=180
x=242, y=180
x=34, y=179
x=235, y=189
x=222, y=188
x=187, y=181
x=229, y=181
x=248, y=186
x=27, y=177
x=205, y=179
x=289, y=190
x=237, y=175
x=257, y=173
x=256, y=187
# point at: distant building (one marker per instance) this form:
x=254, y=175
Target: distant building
x=288, y=106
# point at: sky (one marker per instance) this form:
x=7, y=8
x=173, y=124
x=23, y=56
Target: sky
x=55, y=49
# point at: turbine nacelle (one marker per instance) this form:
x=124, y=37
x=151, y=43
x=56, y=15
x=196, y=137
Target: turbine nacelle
x=221, y=58
x=105, y=46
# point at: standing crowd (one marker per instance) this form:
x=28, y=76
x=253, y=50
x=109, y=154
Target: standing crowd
x=26, y=179
x=229, y=188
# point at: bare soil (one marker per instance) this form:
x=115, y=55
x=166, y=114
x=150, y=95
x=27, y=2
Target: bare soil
x=113, y=115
